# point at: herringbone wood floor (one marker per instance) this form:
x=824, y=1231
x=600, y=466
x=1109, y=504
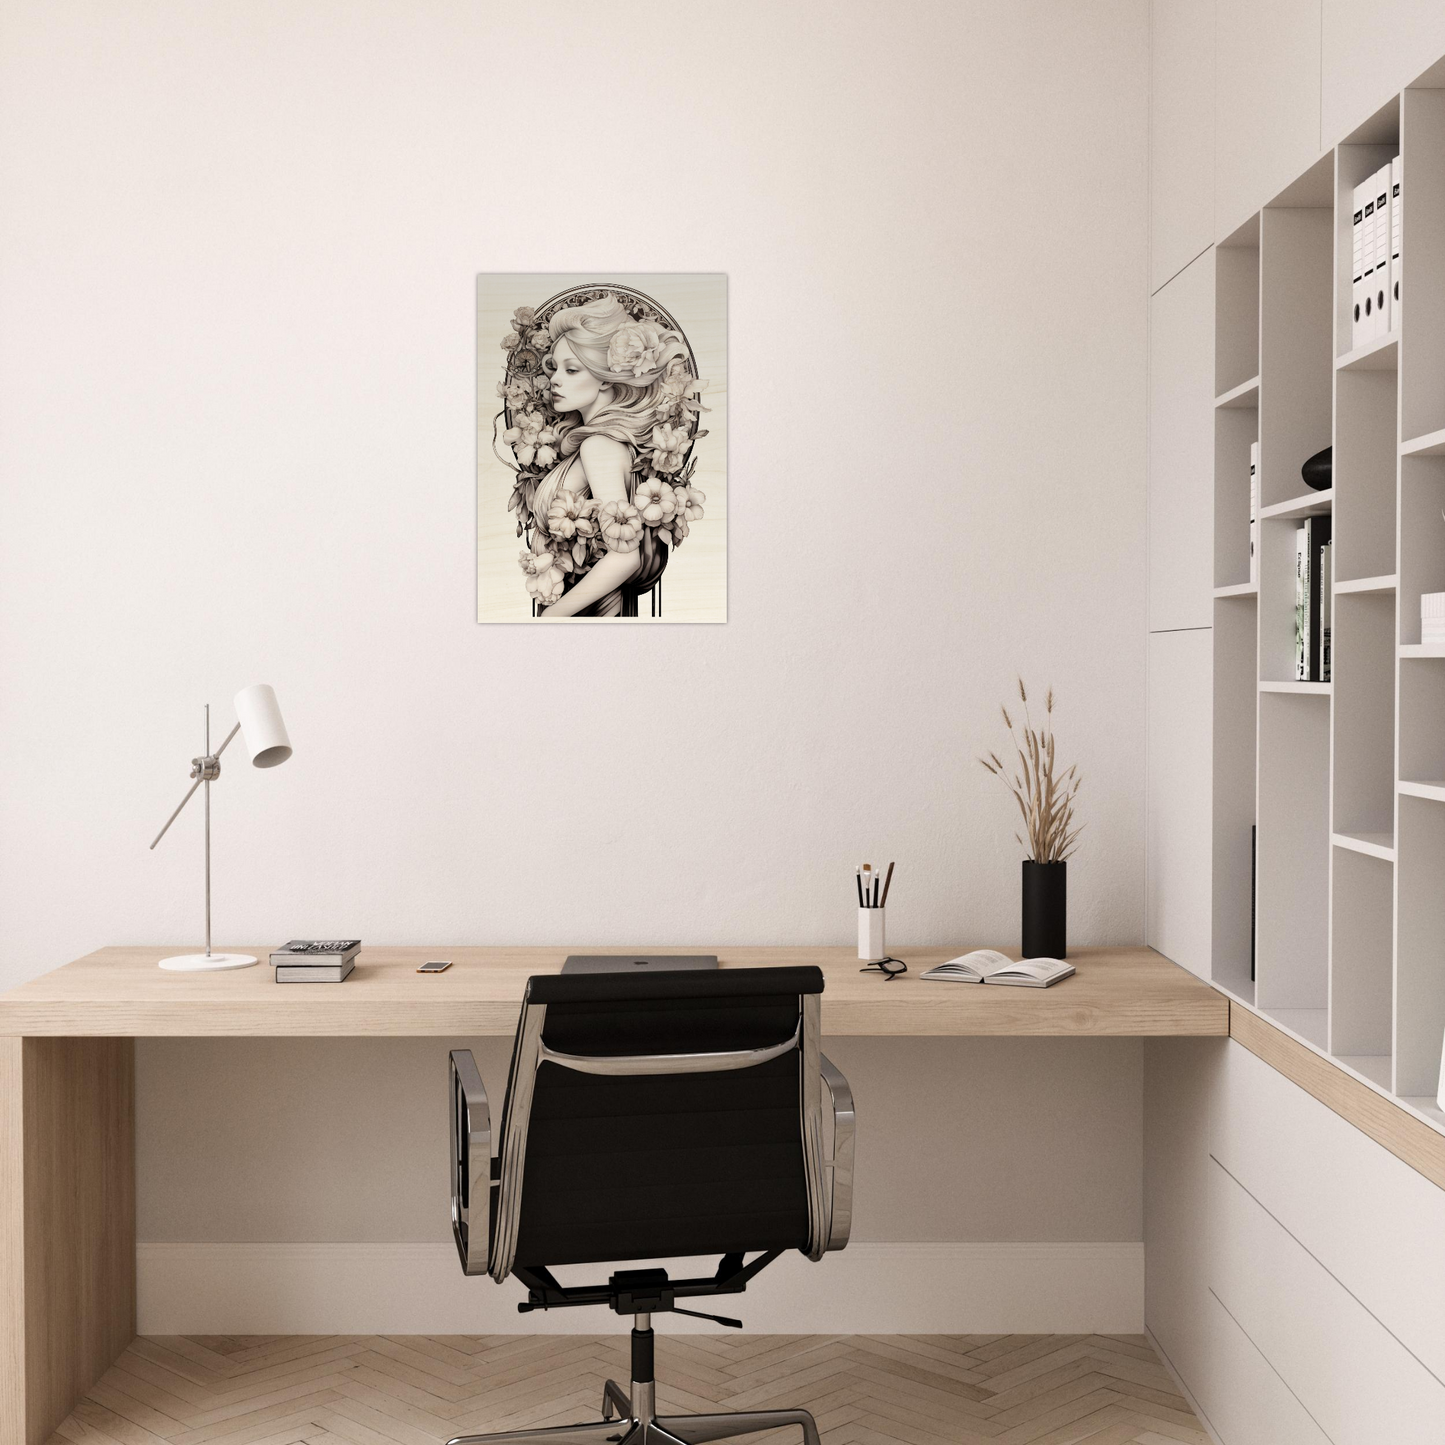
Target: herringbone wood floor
x=421, y=1389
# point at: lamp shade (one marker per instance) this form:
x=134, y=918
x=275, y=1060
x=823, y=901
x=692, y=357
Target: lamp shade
x=262, y=730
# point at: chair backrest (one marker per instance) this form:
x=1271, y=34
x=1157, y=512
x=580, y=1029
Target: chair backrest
x=664, y=1115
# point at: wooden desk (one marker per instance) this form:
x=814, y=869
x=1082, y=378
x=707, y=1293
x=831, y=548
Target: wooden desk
x=67, y=1091
x=119, y=992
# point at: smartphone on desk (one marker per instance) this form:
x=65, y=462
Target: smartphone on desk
x=435, y=965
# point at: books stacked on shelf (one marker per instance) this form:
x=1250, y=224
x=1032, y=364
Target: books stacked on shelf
x=1254, y=514
x=1313, y=623
x=1432, y=618
x=315, y=960
x=1375, y=255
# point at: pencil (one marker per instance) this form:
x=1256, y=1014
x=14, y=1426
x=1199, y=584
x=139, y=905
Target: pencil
x=887, y=883
x=859, y=881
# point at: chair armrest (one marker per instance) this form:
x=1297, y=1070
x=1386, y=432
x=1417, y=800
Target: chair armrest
x=841, y=1164
x=471, y=1129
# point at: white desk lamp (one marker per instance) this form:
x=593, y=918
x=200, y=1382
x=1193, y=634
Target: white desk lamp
x=258, y=720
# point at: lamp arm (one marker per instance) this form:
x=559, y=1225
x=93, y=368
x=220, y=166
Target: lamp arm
x=227, y=743
x=177, y=813
x=200, y=775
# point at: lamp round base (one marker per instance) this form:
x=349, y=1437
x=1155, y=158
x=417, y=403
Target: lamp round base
x=206, y=962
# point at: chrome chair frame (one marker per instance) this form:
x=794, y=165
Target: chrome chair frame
x=485, y=1229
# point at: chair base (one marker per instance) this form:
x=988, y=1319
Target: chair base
x=641, y=1427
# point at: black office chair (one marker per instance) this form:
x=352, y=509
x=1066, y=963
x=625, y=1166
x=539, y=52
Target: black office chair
x=650, y=1117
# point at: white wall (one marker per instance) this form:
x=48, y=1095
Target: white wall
x=237, y=373
x=237, y=258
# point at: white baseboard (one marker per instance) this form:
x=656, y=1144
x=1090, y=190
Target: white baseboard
x=313, y=1289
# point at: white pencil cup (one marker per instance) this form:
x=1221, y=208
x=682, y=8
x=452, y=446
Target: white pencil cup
x=871, y=946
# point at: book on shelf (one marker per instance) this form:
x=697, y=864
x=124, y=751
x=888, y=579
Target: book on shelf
x=314, y=972
x=1301, y=606
x=1310, y=611
x=988, y=965
x=1254, y=514
x=1326, y=606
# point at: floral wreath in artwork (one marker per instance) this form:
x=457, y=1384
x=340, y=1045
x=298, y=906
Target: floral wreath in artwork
x=649, y=353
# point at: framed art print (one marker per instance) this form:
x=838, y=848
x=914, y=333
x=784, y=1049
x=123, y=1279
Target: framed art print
x=602, y=448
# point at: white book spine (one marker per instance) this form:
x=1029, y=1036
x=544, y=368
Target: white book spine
x=1357, y=268
x=1301, y=606
x=1254, y=514
x=1396, y=227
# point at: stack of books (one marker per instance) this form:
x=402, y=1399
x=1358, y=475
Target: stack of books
x=315, y=960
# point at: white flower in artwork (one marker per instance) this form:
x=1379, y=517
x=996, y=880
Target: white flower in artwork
x=544, y=575
x=636, y=347
x=526, y=436
x=621, y=527
x=689, y=501
x=655, y=501
x=669, y=447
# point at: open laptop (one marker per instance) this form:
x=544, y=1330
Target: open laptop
x=636, y=962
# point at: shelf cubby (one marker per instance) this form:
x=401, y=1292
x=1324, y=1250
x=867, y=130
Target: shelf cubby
x=1236, y=705
x=1296, y=366
x=1294, y=852
x=1420, y=964
x=1364, y=703
x=1365, y=459
x=1362, y=902
x=1236, y=302
x=1422, y=537
x=1235, y=429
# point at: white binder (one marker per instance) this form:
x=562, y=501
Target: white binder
x=1357, y=268
x=1396, y=225
x=1382, y=251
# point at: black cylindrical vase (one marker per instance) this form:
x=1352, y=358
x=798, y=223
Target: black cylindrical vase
x=1046, y=909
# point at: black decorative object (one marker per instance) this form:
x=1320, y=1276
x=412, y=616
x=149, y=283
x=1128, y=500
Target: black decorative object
x=1046, y=899
x=1319, y=471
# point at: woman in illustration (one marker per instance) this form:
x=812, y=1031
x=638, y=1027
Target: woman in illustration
x=610, y=404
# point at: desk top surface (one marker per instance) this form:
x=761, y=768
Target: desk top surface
x=120, y=992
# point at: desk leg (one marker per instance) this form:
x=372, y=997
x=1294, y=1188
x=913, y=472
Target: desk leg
x=67, y=1224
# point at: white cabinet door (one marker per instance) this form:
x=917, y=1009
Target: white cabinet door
x=1181, y=134
x=1181, y=450
x=1266, y=103
x=1178, y=901
x=1370, y=52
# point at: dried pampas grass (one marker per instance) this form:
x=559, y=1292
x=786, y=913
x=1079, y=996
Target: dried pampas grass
x=1046, y=801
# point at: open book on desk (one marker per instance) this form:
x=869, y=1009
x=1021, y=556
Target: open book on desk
x=987, y=965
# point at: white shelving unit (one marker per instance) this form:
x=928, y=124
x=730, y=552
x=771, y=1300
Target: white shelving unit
x=1344, y=781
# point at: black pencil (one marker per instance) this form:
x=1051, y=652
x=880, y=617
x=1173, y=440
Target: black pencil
x=858, y=879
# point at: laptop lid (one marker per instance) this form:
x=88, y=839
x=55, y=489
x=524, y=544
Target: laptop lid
x=637, y=962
